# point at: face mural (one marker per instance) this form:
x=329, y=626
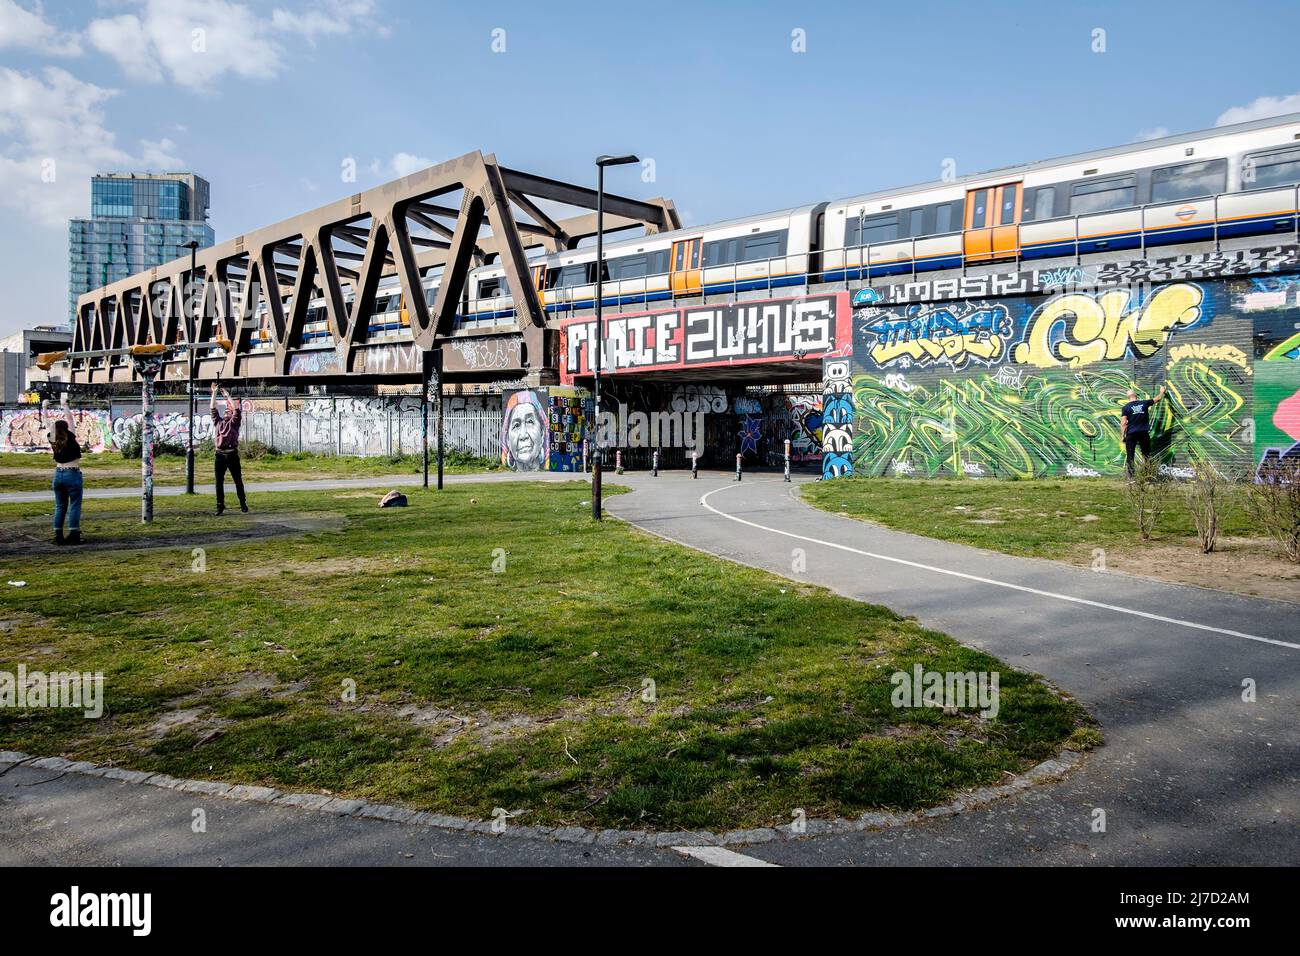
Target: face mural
x=524, y=433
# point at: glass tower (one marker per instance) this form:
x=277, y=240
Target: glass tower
x=137, y=221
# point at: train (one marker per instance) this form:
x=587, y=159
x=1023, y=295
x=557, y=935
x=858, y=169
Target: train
x=1238, y=180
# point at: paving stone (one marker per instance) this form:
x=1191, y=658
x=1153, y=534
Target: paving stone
x=12, y=756
x=127, y=776
x=309, y=801
x=254, y=794
x=51, y=763
x=210, y=787
x=162, y=780
x=343, y=808
x=383, y=811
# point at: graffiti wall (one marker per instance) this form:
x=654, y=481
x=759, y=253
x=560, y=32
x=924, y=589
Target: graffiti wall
x=1032, y=386
x=26, y=429
x=383, y=425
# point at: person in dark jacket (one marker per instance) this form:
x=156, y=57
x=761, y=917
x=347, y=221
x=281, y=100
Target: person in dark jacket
x=225, y=442
x=1135, y=425
x=67, y=484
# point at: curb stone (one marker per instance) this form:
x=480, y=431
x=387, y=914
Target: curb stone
x=1051, y=769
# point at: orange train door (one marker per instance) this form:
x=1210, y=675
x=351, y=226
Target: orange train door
x=539, y=283
x=992, y=222
x=686, y=266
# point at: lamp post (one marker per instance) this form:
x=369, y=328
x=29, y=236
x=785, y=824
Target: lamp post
x=190, y=332
x=601, y=163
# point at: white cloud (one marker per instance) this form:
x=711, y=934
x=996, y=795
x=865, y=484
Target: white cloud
x=335, y=18
x=55, y=140
x=195, y=42
x=21, y=28
x=404, y=164
x=1155, y=132
x=1262, y=108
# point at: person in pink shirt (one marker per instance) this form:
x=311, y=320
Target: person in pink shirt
x=225, y=441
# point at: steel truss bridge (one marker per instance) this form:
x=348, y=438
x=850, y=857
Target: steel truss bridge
x=448, y=218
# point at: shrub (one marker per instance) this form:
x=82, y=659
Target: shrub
x=1204, y=496
x=1147, y=491
x=1273, y=503
x=253, y=450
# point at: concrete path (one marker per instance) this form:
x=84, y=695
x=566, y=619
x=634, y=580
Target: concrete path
x=1191, y=774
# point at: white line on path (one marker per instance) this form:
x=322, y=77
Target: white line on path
x=719, y=856
x=704, y=500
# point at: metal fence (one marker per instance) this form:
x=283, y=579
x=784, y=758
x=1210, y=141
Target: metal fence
x=391, y=432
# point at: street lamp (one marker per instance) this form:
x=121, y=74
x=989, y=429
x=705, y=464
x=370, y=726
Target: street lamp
x=601, y=163
x=190, y=332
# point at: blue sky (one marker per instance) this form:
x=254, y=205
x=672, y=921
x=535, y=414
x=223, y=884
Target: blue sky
x=736, y=121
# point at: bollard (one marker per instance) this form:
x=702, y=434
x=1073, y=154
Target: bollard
x=738, y=467
x=618, y=461
x=695, y=464
x=787, y=459
x=654, y=464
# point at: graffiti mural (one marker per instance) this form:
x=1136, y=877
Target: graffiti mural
x=525, y=433
x=568, y=413
x=837, y=419
x=1051, y=408
x=1080, y=328
x=27, y=429
x=945, y=335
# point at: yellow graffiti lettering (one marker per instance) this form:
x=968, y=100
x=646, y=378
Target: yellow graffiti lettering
x=1210, y=353
x=1095, y=328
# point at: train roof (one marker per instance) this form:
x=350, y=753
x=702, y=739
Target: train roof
x=1074, y=158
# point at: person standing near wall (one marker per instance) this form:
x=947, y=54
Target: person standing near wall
x=1135, y=425
x=67, y=484
x=225, y=442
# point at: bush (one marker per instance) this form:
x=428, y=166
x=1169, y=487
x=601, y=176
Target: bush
x=252, y=450
x=1203, y=496
x=1147, y=490
x=1273, y=503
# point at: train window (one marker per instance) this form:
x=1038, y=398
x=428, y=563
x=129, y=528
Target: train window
x=1279, y=167
x=915, y=220
x=860, y=232
x=489, y=288
x=943, y=218
x=576, y=274
x=1189, y=180
x=1007, y=216
x=634, y=267
x=1102, y=195
x=1044, y=202
x=766, y=245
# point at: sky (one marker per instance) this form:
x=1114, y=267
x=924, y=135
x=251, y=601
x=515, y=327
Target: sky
x=743, y=107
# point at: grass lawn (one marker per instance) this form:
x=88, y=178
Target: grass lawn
x=32, y=472
x=523, y=687
x=1069, y=521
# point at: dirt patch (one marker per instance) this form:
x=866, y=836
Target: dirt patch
x=33, y=537
x=324, y=567
x=1242, y=565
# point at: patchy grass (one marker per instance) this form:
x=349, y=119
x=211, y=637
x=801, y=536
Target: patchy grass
x=33, y=471
x=525, y=687
x=1070, y=520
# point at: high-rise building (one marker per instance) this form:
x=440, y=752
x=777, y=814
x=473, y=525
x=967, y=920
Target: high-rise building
x=137, y=220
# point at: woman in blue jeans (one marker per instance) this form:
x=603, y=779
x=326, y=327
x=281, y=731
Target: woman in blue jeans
x=67, y=483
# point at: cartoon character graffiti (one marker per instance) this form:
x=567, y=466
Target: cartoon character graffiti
x=524, y=438
x=837, y=419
